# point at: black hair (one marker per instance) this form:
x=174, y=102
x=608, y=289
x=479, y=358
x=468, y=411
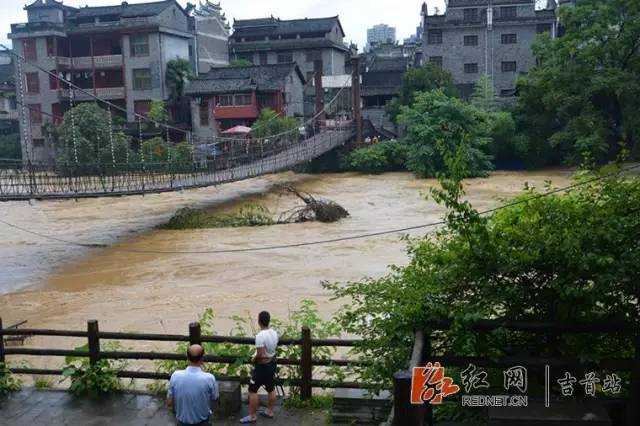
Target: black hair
x=264, y=318
x=197, y=357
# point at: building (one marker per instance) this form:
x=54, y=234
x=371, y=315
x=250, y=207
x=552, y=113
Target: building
x=271, y=40
x=8, y=105
x=381, y=82
x=493, y=37
x=119, y=53
x=231, y=96
x=212, y=36
x=381, y=34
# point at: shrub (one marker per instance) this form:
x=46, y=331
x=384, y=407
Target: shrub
x=383, y=157
x=10, y=146
x=249, y=215
x=8, y=382
x=93, y=380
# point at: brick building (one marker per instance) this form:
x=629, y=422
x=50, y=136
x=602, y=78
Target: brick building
x=493, y=37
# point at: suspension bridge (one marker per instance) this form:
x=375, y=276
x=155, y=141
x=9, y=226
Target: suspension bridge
x=212, y=161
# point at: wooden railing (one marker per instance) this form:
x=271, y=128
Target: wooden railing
x=306, y=363
x=404, y=413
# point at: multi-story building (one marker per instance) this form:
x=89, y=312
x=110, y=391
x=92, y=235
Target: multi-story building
x=8, y=106
x=381, y=34
x=303, y=41
x=212, y=36
x=231, y=96
x=117, y=53
x=492, y=37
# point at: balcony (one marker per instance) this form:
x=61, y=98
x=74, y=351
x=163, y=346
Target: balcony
x=108, y=93
x=86, y=62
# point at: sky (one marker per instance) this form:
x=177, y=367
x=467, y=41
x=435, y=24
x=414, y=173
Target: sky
x=356, y=15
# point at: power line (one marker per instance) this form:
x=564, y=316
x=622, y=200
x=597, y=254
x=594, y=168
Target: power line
x=326, y=241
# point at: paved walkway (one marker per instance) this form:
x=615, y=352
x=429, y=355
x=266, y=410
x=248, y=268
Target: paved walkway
x=31, y=407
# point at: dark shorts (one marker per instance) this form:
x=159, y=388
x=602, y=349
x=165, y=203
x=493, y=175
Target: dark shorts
x=263, y=375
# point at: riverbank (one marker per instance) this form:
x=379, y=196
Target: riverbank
x=61, y=286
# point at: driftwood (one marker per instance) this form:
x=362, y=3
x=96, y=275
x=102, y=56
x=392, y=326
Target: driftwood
x=326, y=211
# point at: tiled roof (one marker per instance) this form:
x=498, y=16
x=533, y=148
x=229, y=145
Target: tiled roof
x=273, y=45
x=380, y=64
x=274, y=26
x=127, y=10
x=471, y=3
x=243, y=79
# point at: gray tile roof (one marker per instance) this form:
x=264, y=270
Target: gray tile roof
x=478, y=3
x=380, y=64
x=125, y=11
x=281, y=45
x=243, y=79
x=274, y=26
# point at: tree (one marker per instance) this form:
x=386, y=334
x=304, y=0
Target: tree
x=86, y=135
x=240, y=63
x=558, y=258
x=179, y=73
x=583, y=97
x=484, y=94
x=423, y=79
x=440, y=128
x=271, y=123
x=10, y=146
x=158, y=112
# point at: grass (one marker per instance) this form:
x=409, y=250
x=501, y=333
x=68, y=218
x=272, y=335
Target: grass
x=249, y=215
x=317, y=402
x=42, y=383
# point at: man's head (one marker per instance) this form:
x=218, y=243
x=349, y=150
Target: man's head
x=264, y=319
x=195, y=353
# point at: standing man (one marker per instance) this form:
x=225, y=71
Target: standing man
x=264, y=372
x=192, y=391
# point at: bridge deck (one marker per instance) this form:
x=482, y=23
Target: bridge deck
x=27, y=184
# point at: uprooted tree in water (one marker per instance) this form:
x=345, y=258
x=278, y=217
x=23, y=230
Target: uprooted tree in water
x=314, y=209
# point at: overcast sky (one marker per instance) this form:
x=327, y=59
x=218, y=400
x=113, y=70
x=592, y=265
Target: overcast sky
x=356, y=15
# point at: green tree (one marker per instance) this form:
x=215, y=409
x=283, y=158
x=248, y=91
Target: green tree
x=583, y=97
x=10, y=146
x=558, y=258
x=158, y=112
x=383, y=157
x=426, y=78
x=240, y=63
x=441, y=128
x=484, y=95
x=271, y=123
x=179, y=73
x=85, y=131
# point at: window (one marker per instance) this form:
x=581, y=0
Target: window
x=470, y=15
x=142, y=79
x=543, y=28
x=139, y=45
x=436, y=60
x=507, y=92
x=471, y=68
x=509, y=38
x=35, y=113
x=190, y=52
x=142, y=107
x=509, y=66
x=225, y=100
x=38, y=142
x=204, y=113
x=285, y=57
x=508, y=12
x=29, y=47
x=471, y=40
x=264, y=58
x=313, y=55
x=53, y=81
x=33, y=83
x=434, y=37
x=242, y=100
x=51, y=47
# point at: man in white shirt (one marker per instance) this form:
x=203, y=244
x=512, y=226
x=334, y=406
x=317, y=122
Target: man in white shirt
x=265, y=369
x=192, y=391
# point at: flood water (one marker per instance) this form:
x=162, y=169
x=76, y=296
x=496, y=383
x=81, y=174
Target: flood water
x=57, y=285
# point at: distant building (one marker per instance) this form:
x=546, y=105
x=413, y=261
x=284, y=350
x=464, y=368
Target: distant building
x=381, y=34
x=8, y=105
x=118, y=53
x=231, y=96
x=493, y=37
x=212, y=31
x=271, y=40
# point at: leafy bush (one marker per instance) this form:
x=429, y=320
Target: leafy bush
x=249, y=215
x=379, y=158
x=270, y=123
x=93, y=380
x=439, y=128
x=10, y=146
x=559, y=258
x=8, y=382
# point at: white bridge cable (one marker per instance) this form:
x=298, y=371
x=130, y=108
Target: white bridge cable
x=318, y=242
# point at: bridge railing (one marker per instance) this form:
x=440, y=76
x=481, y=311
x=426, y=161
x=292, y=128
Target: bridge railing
x=306, y=362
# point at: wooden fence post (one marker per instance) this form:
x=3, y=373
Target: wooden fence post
x=2, y=359
x=195, y=334
x=94, y=341
x=405, y=413
x=306, y=368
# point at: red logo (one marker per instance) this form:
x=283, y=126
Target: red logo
x=429, y=384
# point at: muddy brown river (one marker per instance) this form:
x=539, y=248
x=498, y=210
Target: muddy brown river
x=57, y=285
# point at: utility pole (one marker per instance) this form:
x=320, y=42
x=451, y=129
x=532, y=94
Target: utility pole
x=355, y=97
